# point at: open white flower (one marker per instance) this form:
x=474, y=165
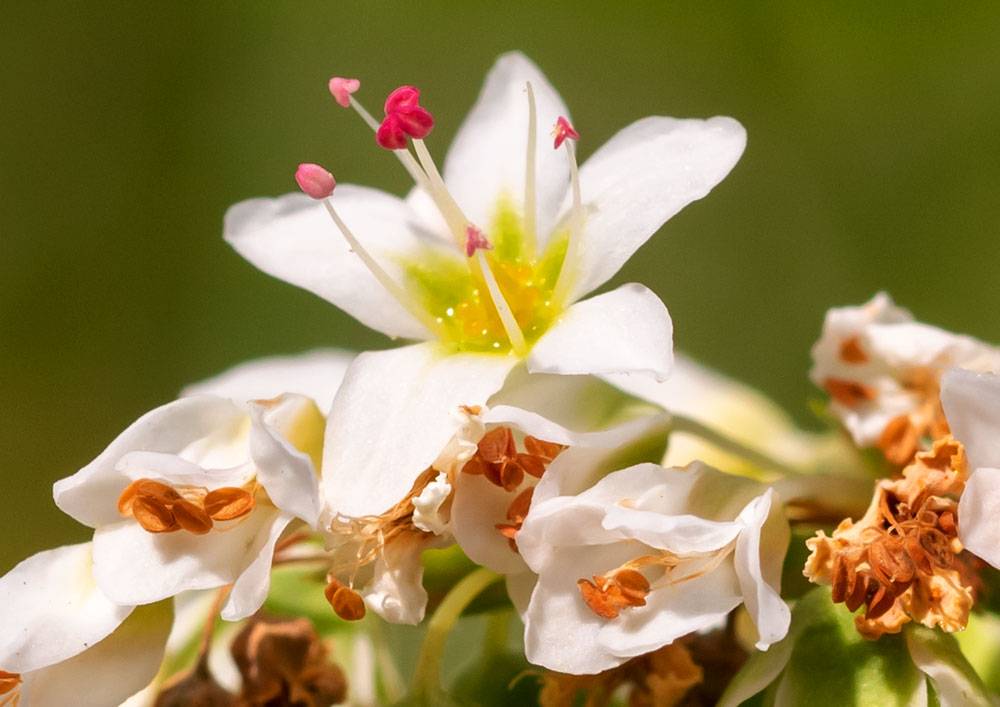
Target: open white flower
x=60, y=631
x=485, y=264
x=195, y=493
x=645, y=556
x=972, y=404
x=882, y=370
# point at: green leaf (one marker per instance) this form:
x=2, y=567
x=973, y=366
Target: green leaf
x=939, y=656
x=980, y=642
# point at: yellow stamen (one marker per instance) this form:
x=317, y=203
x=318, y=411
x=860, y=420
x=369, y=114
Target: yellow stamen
x=510, y=325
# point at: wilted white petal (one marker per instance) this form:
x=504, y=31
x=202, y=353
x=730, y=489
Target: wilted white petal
x=251, y=586
x=760, y=550
x=397, y=592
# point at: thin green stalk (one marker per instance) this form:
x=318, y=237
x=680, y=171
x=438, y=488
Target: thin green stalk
x=427, y=677
x=680, y=423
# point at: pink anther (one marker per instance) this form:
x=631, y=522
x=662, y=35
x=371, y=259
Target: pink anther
x=403, y=118
x=562, y=131
x=475, y=240
x=342, y=89
x=314, y=180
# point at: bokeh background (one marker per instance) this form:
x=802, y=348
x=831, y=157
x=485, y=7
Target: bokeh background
x=126, y=129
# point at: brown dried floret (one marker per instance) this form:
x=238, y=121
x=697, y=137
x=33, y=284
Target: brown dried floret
x=902, y=560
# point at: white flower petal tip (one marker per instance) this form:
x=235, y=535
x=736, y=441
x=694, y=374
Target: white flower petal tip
x=630, y=564
x=625, y=330
x=194, y=494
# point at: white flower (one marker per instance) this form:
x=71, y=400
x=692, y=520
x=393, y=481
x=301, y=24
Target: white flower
x=972, y=404
x=554, y=238
x=65, y=643
x=882, y=370
x=646, y=556
x=195, y=493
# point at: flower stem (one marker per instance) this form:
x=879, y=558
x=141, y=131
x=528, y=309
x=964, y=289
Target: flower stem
x=681, y=423
x=427, y=677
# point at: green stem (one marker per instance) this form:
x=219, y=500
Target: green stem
x=680, y=423
x=495, y=640
x=427, y=677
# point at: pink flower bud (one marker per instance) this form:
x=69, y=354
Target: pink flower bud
x=315, y=180
x=342, y=89
x=562, y=131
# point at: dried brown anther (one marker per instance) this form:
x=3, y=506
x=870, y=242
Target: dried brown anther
x=613, y=591
x=847, y=392
x=498, y=460
x=851, y=351
x=160, y=508
x=10, y=688
x=902, y=559
x=346, y=602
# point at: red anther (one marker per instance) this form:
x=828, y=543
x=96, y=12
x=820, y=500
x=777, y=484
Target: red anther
x=314, y=180
x=403, y=97
x=342, y=89
x=562, y=131
x=403, y=118
x=475, y=240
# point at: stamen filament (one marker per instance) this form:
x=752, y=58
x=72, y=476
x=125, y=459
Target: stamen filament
x=560, y=293
x=451, y=211
x=503, y=309
x=404, y=156
x=530, y=208
x=382, y=276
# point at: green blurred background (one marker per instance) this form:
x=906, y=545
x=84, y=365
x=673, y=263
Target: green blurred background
x=126, y=129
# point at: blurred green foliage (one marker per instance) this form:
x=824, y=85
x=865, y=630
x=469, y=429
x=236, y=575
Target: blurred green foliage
x=126, y=129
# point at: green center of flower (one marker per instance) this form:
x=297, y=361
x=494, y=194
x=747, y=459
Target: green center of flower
x=460, y=303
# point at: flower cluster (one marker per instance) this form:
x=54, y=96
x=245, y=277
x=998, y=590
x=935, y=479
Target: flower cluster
x=637, y=507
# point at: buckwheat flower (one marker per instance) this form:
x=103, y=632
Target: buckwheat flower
x=485, y=264
x=195, y=493
x=882, y=370
x=645, y=556
x=972, y=403
x=60, y=631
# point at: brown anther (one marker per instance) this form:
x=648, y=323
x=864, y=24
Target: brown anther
x=228, y=503
x=899, y=440
x=619, y=589
x=596, y=599
x=145, y=488
x=535, y=466
x=847, y=392
x=9, y=682
x=938, y=547
x=632, y=584
x=191, y=517
x=346, y=603
x=890, y=563
x=947, y=523
x=152, y=515
x=546, y=451
x=880, y=600
x=497, y=445
x=851, y=351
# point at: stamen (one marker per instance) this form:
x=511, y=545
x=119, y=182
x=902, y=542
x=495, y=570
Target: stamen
x=346, y=602
x=446, y=203
x=341, y=89
x=475, y=240
x=560, y=293
x=510, y=325
x=229, y=503
x=382, y=276
x=530, y=208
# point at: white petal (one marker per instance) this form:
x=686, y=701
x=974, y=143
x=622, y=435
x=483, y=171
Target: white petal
x=316, y=374
x=133, y=566
x=627, y=330
x=640, y=178
x=287, y=474
x=672, y=611
x=972, y=405
x=109, y=672
x=393, y=415
x=487, y=158
x=760, y=551
x=294, y=238
x=250, y=589
x=397, y=593
x=679, y=534
x=477, y=507
x=91, y=495
x=51, y=609
x=979, y=515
